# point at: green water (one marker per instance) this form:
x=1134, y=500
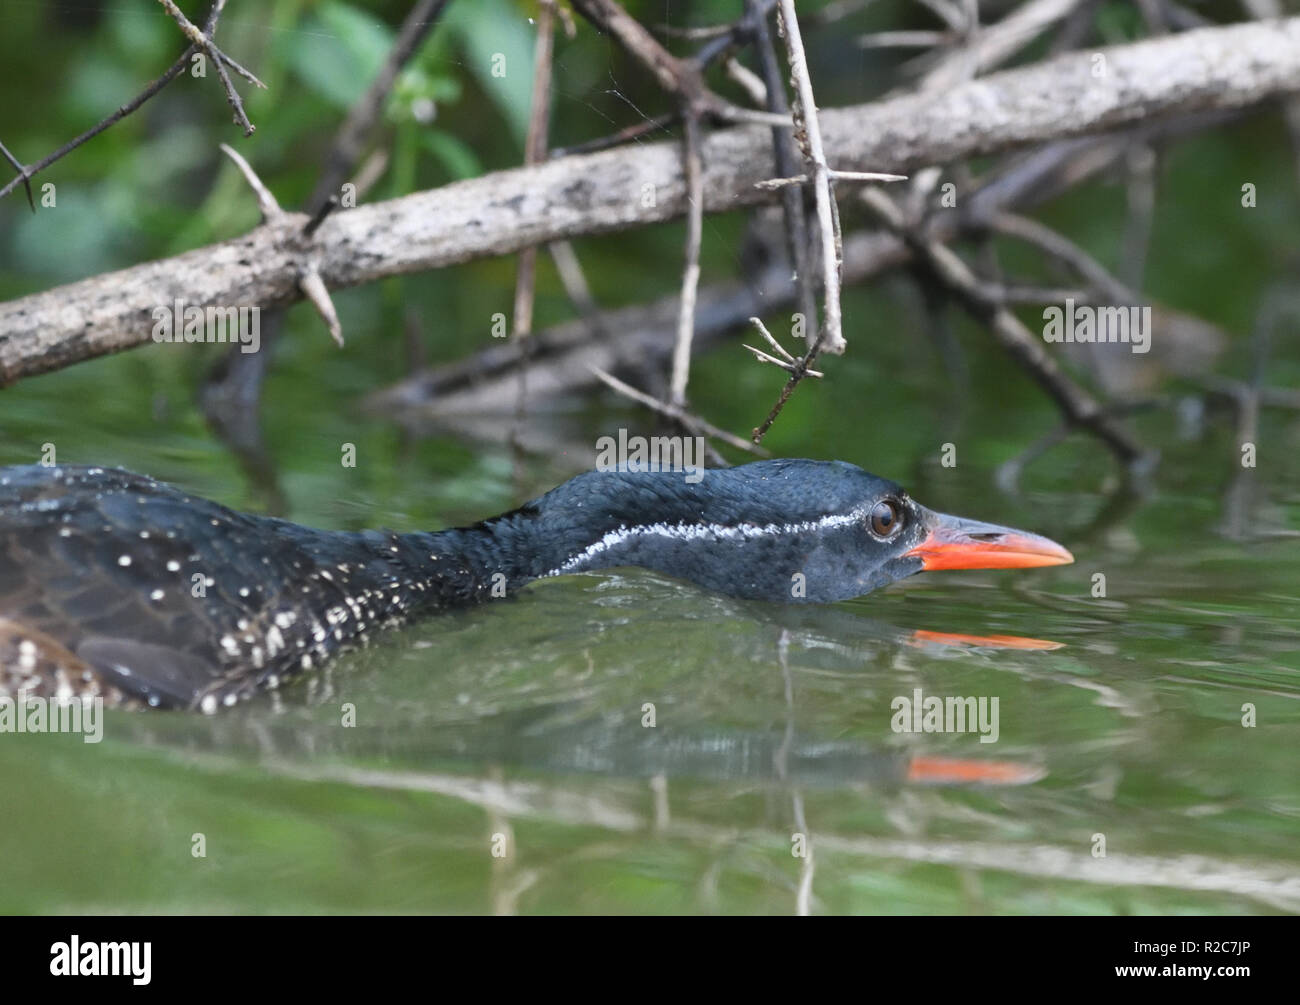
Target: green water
x=518, y=728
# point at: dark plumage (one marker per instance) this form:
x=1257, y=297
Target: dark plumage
x=116, y=585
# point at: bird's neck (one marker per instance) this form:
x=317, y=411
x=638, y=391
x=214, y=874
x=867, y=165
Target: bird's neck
x=495, y=558
x=583, y=524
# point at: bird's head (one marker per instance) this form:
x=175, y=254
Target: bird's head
x=784, y=530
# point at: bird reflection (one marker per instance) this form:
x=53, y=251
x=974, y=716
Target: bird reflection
x=565, y=738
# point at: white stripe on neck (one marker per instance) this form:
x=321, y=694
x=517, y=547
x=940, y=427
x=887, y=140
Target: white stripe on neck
x=704, y=532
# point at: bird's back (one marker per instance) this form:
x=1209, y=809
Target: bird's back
x=114, y=584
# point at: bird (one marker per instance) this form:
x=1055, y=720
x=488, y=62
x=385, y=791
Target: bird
x=118, y=587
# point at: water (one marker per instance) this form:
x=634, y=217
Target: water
x=521, y=727
x=1121, y=721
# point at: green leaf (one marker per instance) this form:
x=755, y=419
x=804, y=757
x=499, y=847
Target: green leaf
x=340, y=52
x=497, y=41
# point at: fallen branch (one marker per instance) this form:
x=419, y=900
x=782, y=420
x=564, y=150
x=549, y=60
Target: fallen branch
x=1211, y=69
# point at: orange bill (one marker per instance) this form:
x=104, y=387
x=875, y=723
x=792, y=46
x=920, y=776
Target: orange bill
x=952, y=542
x=963, y=771
x=922, y=636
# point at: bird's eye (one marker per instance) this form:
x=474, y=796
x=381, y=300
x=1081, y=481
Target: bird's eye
x=886, y=518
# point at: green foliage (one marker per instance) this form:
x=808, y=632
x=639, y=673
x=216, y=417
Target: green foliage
x=339, y=50
x=498, y=48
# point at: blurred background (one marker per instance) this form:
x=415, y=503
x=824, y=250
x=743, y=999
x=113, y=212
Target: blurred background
x=1124, y=721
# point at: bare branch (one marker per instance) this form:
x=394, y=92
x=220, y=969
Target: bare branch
x=203, y=40
x=830, y=338
x=903, y=39
x=792, y=367
x=772, y=184
x=691, y=271
x=266, y=202
x=677, y=413
x=682, y=78
x=1077, y=405
x=535, y=144
x=1062, y=248
x=786, y=160
x=1211, y=69
x=350, y=140
x=749, y=81
x=481, y=383
x=997, y=43
x=767, y=335
x=23, y=175
x=27, y=173
x=313, y=288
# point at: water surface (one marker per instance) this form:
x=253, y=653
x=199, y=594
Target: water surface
x=520, y=727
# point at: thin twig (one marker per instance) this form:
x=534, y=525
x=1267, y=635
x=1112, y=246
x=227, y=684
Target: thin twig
x=633, y=132
x=750, y=82
x=535, y=153
x=535, y=144
x=677, y=413
x=830, y=338
x=787, y=362
x=314, y=289
x=786, y=160
x=837, y=10
x=350, y=140
x=903, y=39
x=691, y=271
x=173, y=71
x=772, y=184
x=575, y=284
x=1060, y=247
x=791, y=367
x=317, y=218
x=767, y=335
x=682, y=78
x=694, y=33
x=22, y=173
x=1075, y=403
x=266, y=202
x=203, y=40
